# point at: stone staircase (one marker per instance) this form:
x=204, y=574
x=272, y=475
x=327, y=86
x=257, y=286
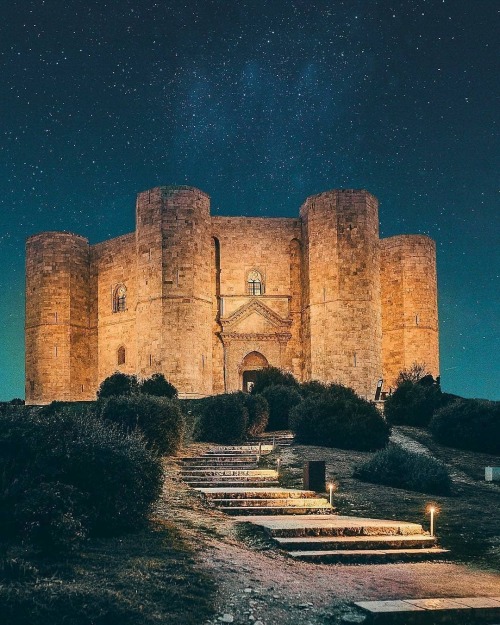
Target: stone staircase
x=266, y=501
x=349, y=539
x=300, y=522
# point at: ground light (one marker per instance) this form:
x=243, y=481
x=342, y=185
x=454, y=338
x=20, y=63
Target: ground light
x=330, y=488
x=432, y=510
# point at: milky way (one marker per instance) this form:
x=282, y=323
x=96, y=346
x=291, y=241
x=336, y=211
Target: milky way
x=260, y=104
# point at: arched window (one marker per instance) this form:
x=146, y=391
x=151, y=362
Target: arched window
x=254, y=283
x=120, y=355
x=120, y=299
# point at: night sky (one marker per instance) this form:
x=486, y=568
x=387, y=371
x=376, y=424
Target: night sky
x=260, y=104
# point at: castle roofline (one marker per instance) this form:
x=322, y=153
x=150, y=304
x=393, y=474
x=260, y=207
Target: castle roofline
x=50, y=233
x=167, y=189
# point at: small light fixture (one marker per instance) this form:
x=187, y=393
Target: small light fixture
x=432, y=510
x=330, y=488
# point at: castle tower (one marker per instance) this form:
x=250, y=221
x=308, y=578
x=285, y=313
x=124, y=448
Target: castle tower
x=174, y=305
x=409, y=305
x=60, y=363
x=342, y=320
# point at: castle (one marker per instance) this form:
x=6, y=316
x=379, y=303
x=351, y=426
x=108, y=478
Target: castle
x=208, y=300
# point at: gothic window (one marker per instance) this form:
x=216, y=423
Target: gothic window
x=120, y=355
x=254, y=283
x=120, y=299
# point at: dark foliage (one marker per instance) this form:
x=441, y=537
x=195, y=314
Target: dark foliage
x=312, y=388
x=338, y=419
x=472, y=424
x=118, y=384
x=416, y=372
x=223, y=419
x=272, y=376
x=395, y=466
x=258, y=412
x=281, y=399
x=52, y=517
x=412, y=404
x=51, y=604
x=158, y=386
x=159, y=419
x=71, y=474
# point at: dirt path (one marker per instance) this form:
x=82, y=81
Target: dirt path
x=265, y=587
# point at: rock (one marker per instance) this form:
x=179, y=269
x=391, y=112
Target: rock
x=258, y=623
x=248, y=590
x=226, y=618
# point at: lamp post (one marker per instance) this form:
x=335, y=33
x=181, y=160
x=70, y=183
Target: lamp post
x=432, y=511
x=330, y=488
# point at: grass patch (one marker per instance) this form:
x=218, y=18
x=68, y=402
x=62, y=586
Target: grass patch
x=146, y=578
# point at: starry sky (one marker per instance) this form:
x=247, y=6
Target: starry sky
x=260, y=103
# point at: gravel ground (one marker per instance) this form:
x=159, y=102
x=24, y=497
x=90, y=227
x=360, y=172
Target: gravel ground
x=261, y=585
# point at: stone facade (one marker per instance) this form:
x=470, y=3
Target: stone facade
x=207, y=300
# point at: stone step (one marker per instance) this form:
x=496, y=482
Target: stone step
x=255, y=493
x=222, y=467
x=248, y=449
x=331, y=543
x=368, y=555
x=280, y=510
x=226, y=480
x=454, y=610
x=295, y=502
x=217, y=472
x=334, y=525
x=236, y=483
x=222, y=458
x=216, y=461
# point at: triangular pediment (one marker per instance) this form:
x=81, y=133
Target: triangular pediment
x=255, y=318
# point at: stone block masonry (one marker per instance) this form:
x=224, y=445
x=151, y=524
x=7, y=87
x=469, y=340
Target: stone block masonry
x=207, y=300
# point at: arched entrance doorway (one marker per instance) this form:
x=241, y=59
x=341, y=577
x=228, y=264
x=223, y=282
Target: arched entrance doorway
x=253, y=362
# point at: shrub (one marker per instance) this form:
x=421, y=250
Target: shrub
x=412, y=404
x=272, y=376
x=258, y=413
x=118, y=384
x=49, y=603
x=159, y=419
x=50, y=517
x=339, y=420
x=158, y=386
x=102, y=478
x=414, y=374
x=472, y=424
x=395, y=466
x=281, y=400
x=223, y=419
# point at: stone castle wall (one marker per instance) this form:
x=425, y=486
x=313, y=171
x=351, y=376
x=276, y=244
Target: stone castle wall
x=409, y=305
x=336, y=304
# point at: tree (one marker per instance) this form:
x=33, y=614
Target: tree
x=158, y=386
x=272, y=376
x=118, y=384
x=339, y=419
x=416, y=372
x=412, y=403
x=281, y=400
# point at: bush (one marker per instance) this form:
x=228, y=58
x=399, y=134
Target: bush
x=50, y=517
x=412, y=404
x=281, y=400
x=72, y=474
x=158, y=386
x=223, y=419
x=118, y=384
x=258, y=413
x=395, y=466
x=159, y=419
x=472, y=424
x=272, y=376
x=338, y=420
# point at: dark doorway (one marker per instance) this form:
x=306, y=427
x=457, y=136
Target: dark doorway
x=249, y=378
